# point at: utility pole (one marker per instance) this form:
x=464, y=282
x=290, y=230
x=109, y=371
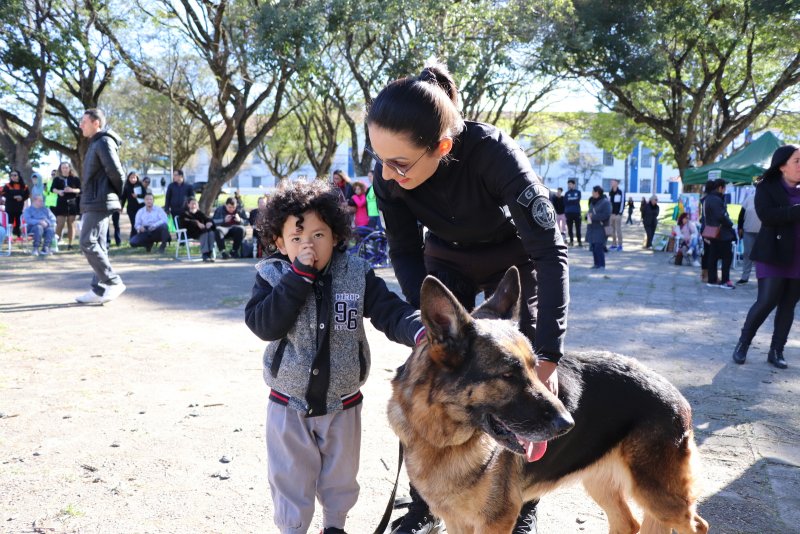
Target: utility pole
x=173, y=66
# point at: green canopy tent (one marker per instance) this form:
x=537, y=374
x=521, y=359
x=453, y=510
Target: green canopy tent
x=739, y=168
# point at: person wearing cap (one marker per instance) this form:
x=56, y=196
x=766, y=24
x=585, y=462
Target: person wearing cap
x=776, y=254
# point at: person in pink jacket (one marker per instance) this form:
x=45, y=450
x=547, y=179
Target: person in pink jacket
x=359, y=200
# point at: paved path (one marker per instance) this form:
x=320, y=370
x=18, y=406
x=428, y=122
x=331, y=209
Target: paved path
x=115, y=417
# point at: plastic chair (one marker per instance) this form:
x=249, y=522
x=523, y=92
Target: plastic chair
x=181, y=238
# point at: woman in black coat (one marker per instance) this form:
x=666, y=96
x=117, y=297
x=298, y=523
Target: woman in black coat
x=776, y=253
x=199, y=226
x=716, y=214
x=133, y=195
x=650, y=219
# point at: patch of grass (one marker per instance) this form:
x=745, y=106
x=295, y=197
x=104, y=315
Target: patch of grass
x=72, y=511
x=233, y=302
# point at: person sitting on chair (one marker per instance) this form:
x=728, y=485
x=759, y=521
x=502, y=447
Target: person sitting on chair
x=151, y=226
x=690, y=238
x=255, y=213
x=229, y=219
x=198, y=226
x=41, y=224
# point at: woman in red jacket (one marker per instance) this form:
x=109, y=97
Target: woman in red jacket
x=15, y=193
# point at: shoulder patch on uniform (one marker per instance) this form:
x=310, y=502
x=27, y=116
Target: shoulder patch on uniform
x=543, y=213
x=531, y=192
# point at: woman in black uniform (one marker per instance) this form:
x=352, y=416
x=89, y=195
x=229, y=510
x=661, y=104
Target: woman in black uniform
x=485, y=209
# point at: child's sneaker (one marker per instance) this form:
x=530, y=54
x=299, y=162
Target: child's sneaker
x=35, y=252
x=727, y=285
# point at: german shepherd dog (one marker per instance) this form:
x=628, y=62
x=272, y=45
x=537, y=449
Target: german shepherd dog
x=482, y=435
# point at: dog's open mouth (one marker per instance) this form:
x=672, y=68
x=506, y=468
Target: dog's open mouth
x=531, y=450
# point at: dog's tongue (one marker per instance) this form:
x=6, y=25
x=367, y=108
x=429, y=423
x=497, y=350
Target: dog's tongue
x=534, y=450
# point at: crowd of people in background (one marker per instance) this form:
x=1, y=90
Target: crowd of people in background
x=48, y=211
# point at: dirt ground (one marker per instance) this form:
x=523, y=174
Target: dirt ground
x=146, y=415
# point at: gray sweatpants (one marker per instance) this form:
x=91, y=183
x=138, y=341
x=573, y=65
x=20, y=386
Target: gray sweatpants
x=94, y=228
x=308, y=456
x=749, y=240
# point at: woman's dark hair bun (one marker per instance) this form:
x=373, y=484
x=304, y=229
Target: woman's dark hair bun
x=437, y=73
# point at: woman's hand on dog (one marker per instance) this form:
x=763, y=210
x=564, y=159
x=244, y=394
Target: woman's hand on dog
x=548, y=374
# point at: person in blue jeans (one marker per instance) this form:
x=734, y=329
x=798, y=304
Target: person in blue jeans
x=41, y=224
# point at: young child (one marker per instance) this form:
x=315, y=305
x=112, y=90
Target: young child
x=309, y=301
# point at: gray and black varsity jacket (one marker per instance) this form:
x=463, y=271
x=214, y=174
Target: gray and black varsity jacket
x=318, y=356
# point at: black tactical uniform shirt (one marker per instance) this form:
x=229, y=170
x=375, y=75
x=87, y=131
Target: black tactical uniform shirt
x=467, y=202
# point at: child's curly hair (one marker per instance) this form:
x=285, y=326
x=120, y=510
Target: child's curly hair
x=298, y=198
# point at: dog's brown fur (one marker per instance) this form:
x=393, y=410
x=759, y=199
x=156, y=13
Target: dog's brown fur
x=467, y=393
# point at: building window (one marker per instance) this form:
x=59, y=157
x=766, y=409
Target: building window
x=234, y=183
x=256, y=159
x=608, y=158
x=647, y=158
x=256, y=181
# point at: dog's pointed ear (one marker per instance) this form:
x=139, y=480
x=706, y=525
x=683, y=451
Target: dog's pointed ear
x=445, y=320
x=504, y=302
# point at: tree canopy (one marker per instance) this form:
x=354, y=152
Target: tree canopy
x=696, y=73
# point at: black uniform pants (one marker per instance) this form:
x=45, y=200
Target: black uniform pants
x=782, y=293
x=574, y=219
x=720, y=250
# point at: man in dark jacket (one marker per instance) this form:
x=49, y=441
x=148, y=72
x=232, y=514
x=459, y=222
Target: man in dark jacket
x=178, y=192
x=229, y=220
x=101, y=186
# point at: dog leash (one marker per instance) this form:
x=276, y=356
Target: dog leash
x=387, y=514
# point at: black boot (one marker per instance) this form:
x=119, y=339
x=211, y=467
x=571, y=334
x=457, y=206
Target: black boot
x=740, y=352
x=526, y=522
x=418, y=519
x=775, y=357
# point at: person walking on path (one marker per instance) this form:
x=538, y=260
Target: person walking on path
x=776, y=253
x=597, y=220
x=630, y=211
x=458, y=178
x=650, y=212
x=557, y=199
x=716, y=215
x=617, y=198
x=101, y=186
x=572, y=210
x=749, y=225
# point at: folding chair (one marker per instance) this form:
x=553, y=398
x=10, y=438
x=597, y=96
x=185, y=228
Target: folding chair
x=182, y=238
